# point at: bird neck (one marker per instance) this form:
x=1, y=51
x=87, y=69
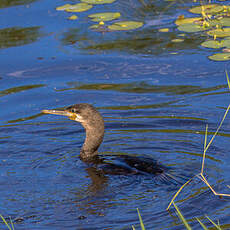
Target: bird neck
x=93, y=139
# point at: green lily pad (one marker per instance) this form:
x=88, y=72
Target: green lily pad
x=226, y=43
x=207, y=9
x=98, y=1
x=196, y=20
x=73, y=17
x=126, y=25
x=79, y=7
x=224, y=32
x=64, y=7
x=191, y=27
x=220, y=57
x=225, y=21
x=164, y=30
x=104, y=16
x=95, y=26
x=176, y=40
x=212, y=44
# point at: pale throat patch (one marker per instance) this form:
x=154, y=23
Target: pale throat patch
x=75, y=117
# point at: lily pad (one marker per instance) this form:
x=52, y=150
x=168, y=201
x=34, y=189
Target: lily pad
x=226, y=43
x=224, y=32
x=176, y=40
x=104, y=16
x=191, y=27
x=207, y=9
x=164, y=30
x=181, y=21
x=220, y=57
x=224, y=21
x=95, y=26
x=212, y=44
x=79, y=7
x=64, y=7
x=126, y=25
x=98, y=1
x=73, y=17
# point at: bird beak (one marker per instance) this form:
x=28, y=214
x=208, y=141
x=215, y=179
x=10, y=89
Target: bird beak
x=71, y=116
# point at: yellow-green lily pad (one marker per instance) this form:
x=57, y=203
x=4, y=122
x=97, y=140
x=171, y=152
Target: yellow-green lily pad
x=176, y=40
x=95, y=26
x=214, y=44
x=196, y=20
x=164, y=30
x=126, y=25
x=220, y=57
x=207, y=9
x=221, y=33
x=73, y=17
x=226, y=43
x=98, y=1
x=104, y=16
x=64, y=7
x=191, y=27
x=79, y=7
x=225, y=21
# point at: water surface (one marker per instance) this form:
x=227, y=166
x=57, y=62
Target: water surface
x=155, y=103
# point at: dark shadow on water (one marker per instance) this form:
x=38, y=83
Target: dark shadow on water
x=19, y=36
x=10, y=3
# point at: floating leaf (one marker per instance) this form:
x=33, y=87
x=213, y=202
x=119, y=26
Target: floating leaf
x=220, y=57
x=125, y=25
x=176, y=40
x=191, y=27
x=224, y=21
x=73, y=17
x=212, y=44
x=95, y=26
x=104, y=16
x=98, y=1
x=164, y=30
x=207, y=9
x=196, y=20
x=64, y=7
x=79, y=7
x=224, y=32
x=217, y=44
x=226, y=43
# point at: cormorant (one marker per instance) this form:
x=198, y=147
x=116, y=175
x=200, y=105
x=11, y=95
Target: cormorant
x=93, y=123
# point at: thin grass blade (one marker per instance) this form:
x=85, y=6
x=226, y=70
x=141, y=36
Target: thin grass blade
x=226, y=112
x=174, y=197
x=218, y=227
x=5, y=222
x=227, y=79
x=11, y=223
x=182, y=218
x=141, y=221
x=205, y=144
x=202, y=225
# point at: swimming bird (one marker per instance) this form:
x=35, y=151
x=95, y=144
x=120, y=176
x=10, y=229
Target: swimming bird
x=93, y=123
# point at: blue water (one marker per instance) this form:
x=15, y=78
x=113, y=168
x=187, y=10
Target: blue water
x=156, y=101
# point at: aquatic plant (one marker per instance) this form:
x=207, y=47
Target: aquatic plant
x=206, y=146
x=6, y=223
x=215, y=22
x=100, y=17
